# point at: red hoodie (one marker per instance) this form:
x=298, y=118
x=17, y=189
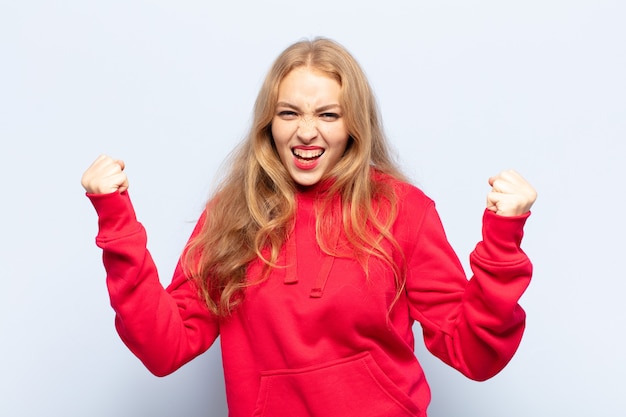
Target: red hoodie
x=318, y=338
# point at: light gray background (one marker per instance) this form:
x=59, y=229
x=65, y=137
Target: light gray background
x=466, y=88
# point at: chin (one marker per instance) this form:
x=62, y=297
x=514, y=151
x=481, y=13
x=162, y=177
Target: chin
x=306, y=181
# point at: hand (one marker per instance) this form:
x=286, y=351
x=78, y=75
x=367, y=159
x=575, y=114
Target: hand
x=106, y=175
x=511, y=195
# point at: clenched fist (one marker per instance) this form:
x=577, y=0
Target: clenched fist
x=106, y=175
x=511, y=195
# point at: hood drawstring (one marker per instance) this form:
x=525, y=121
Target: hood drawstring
x=291, y=276
x=322, y=275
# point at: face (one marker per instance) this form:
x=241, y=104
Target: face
x=308, y=127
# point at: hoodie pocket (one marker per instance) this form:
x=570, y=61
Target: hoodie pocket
x=353, y=386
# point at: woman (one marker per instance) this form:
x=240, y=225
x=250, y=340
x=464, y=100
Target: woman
x=314, y=258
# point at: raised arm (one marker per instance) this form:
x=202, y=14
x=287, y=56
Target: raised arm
x=475, y=326
x=163, y=328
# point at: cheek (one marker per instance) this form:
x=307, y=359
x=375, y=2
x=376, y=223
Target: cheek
x=338, y=138
x=280, y=134
x=281, y=143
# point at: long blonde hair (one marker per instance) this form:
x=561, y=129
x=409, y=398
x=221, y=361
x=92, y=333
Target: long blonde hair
x=253, y=209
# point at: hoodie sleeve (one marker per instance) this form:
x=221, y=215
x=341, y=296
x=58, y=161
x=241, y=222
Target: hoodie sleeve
x=164, y=328
x=474, y=326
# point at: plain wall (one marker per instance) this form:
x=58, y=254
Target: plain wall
x=466, y=89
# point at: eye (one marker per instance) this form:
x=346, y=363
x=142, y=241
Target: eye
x=287, y=114
x=329, y=117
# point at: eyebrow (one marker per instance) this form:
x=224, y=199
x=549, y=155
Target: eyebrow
x=318, y=110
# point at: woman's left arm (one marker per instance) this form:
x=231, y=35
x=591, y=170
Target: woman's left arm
x=475, y=326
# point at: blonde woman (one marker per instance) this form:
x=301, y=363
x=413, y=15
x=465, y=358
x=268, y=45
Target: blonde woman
x=314, y=258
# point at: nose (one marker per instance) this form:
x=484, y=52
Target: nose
x=307, y=128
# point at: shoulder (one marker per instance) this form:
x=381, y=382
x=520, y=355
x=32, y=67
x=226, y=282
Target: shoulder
x=406, y=194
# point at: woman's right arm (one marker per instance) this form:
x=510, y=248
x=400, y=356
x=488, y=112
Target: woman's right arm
x=164, y=328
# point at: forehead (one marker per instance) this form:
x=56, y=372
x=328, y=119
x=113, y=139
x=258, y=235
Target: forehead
x=306, y=82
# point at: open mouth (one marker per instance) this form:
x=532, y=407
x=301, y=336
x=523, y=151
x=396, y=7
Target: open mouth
x=307, y=157
x=307, y=154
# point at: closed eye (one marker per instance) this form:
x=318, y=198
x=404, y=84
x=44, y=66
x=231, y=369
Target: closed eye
x=329, y=117
x=287, y=114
